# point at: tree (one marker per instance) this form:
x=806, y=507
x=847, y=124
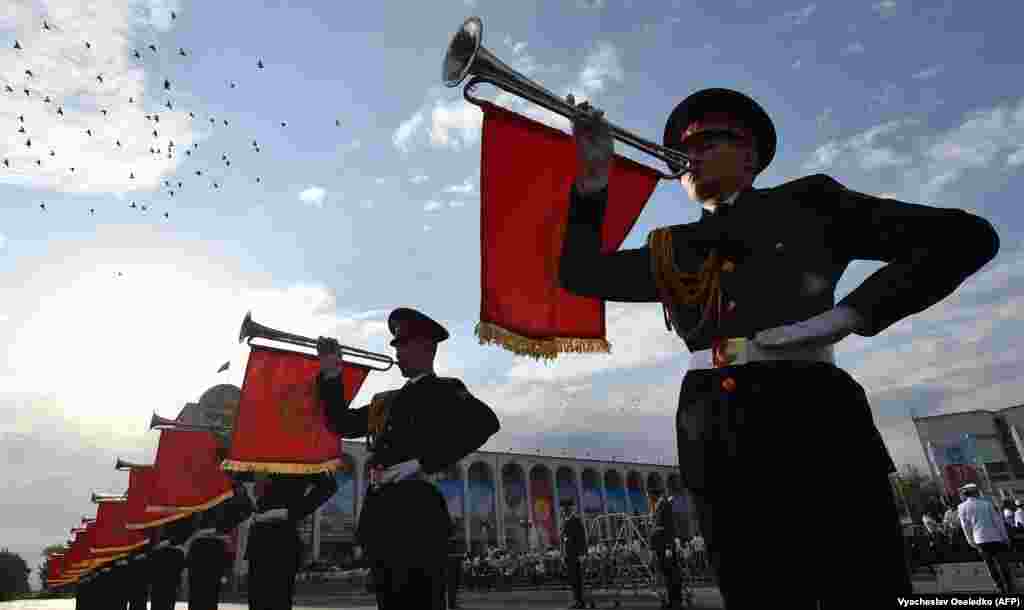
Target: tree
x=13, y=576
x=920, y=492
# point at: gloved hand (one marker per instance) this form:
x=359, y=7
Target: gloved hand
x=823, y=329
x=401, y=471
x=270, y=516
x=329, y=351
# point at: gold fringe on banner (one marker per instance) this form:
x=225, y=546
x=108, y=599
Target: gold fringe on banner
x=120, y=549
x=156, y=522
x=281, y=467
x=547, y=349
x=204, y=506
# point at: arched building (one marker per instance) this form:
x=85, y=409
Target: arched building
x=496, y=497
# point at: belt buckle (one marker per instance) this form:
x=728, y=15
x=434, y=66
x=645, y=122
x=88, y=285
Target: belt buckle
x=729, y=352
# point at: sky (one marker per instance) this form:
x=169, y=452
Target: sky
x=353, y=188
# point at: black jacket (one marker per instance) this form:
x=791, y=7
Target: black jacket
x=435, y=420
x=227, y=515
x=663, y=532
x=791, y=244
x=294, y=493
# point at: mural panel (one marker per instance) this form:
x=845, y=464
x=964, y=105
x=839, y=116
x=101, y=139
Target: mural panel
x=593, y=504
x=543, y=513
x=615, y=492
x=513, y=488
x=637, y=497
x=483, y=520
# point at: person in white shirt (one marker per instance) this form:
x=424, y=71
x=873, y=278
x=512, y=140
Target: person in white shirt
x=1018, y=516
x=985, y=530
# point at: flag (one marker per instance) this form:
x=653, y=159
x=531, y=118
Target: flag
x=140, y=486
x=224, y=367
x=187, y=474
x=281, y=425
x=111, y=535
x=526, y=171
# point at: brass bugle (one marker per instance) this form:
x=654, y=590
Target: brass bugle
x=126, y=465
x=98, y=497
x=466, y=56
x=162, y=423
x=254, y=330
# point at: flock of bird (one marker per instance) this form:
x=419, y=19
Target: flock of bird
x=158, y=147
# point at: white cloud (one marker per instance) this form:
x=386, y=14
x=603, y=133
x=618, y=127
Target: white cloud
x=419, y=179
x=432, y=206
x=854, y=48
x=455, y=125
x=797, y=64
x=366, y=204
x=380, y=181
x=66, y=71
x=928, y=73
x=1016, y=158
x=885, y=8
x=313, y=196
x=637, y=338
x=601, y=66
x=463, y=189
x=863, y=148
x=456, y=204
x=406, y=130
x=426, y=228
x=801, y=16
x=590, y=4
x=3, y=241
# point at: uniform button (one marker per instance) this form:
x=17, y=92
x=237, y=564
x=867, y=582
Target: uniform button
x=730, y=306
x=729, y=384
x=779, y=246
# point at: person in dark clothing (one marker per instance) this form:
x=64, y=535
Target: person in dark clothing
x=208, y=548
x=137, y=583
x=574, y=548
x=275, y=549
x=452, y=571
x=750, y=288
x=166, y=563
x=421, y=429
x=663, y=546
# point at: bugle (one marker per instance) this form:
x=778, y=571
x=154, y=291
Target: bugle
x=253, y=330
x=98, y=497
x=126, y=465
x=162, y=423
x=466, y=56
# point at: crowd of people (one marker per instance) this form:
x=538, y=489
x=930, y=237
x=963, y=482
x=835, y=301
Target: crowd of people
x=941, y=537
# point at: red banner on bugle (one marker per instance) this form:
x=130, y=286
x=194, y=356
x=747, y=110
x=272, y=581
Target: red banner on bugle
x=281, y=426
x=187, y=473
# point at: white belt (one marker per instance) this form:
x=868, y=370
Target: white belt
x=742, y=351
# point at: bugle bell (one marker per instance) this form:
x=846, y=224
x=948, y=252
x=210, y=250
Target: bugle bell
x=254, y=330
x=98, y=497
x=163, y=423
x=126, y=465
x=466, y=56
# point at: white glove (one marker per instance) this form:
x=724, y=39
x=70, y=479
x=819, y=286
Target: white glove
x=823, y=329
x=401, y=471
x=270, y=516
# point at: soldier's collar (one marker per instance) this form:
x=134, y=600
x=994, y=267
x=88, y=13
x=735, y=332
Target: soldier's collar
x=731, y=199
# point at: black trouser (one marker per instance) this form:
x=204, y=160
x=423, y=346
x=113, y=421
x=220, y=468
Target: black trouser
x=137, y=584
x=789, y=413
x=670, y=572
x=994, y=554
x=452, y=576
x=575, y=573
x=401, y=587
x=166, y=565
x=207, y=561
x=117, y=588
x=274, y=552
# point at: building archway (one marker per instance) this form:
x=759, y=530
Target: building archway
x=567, y=488
x=542, y=513
x=638, y=504
x=615, y=492
x=450, y=482
x=593, y=501
x=513, y=489
x=483, y=518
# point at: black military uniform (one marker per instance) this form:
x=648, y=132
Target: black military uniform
x=208, y=555
x=453, y=569
x=434, y=420
x=782, y=251
x=137, y=582
x=167, y=563
x=118, y=576
x=274, y=549
x=663, y=545
x=574, y=548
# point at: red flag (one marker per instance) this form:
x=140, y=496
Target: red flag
x=55, y=569
x=526, y=172
x=111, y=535
x=280, y=426
x=140, y=486
x=187, y=474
